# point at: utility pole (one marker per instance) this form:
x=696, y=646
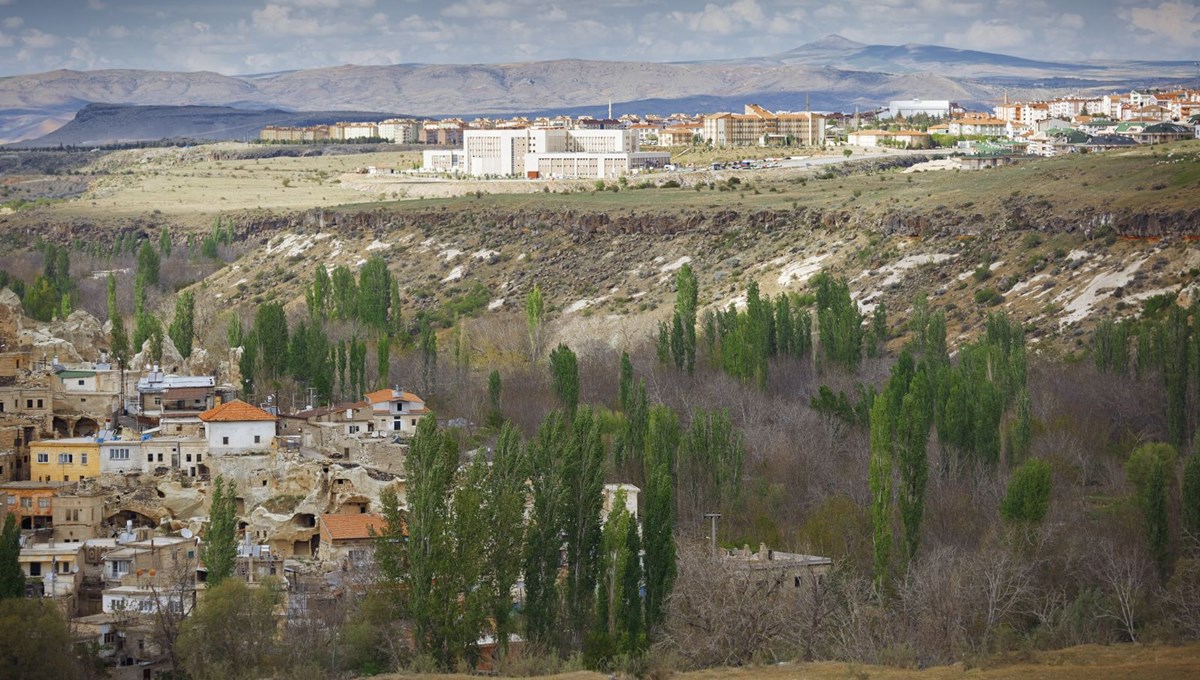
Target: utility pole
x=712, y=536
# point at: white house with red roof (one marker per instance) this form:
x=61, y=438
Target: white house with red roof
x=238, y=427
x=395, y=410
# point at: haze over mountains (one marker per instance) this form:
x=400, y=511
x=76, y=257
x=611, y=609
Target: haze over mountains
x=835, y=72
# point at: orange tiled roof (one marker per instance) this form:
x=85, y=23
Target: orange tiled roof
x=353, y=527
x=236, y=411
x=380, y=396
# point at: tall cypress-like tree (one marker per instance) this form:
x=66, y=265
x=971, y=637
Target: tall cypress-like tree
x=686, y=300
x=374, y=293
x=317, y=295
x=182, y=328
x=1149, y=469
x=12, y=578
x=535, y=315
x=504, y=498
x=120, y=341
x=543, y=534
x=1191, y=496
x=625, y=382
x=148, y=264
x=880, y=479
x=219, y=550
x=583, y=477
x=429, y=352
x=383, y=364
x=912, y=437
x=271, y=333
x=564, y=377
x=662, y=443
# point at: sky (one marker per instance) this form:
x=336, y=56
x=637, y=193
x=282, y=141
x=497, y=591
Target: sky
x=237, y=37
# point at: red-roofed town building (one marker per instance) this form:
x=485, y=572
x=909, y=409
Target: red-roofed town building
x=238, y=427
x=395, y=410
x=349, y=537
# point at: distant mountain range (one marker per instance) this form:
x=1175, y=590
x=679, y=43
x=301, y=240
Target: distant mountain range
x=834, y=72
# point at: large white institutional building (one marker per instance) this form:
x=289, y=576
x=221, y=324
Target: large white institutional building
x=547, y=153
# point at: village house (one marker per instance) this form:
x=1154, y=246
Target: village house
x=76, y=513
x=49, y=567
x=794, y=568
x=64, y=460
x=980, y=124
x=139, y=572
x=31, y=502
x=680, y=135
x=348, y=539
x=121, y=457
x=171, y=396
x=238, y=427
x=395, y=410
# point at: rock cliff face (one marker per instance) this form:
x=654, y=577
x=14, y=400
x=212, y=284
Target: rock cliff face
x=79, y=337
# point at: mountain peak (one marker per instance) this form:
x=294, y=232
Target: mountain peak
x=833, y=41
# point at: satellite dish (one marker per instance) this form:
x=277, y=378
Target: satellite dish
x=186, y=533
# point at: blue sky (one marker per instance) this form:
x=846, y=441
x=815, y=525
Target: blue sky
x=255, y=36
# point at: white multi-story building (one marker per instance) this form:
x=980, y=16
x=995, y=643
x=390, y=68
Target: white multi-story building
x=237, y=427
x=549, y=153
x=399, y=130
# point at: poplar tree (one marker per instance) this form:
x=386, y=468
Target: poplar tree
x=583, y=479
x=1027, y=497
x=374, y=293
x=219, y=550
x=182, y=328
x=625, y=382
x=148, y=264
x=880, y=480
x=383, y=364
x=543, y=534
x=504, y=499
x=535, y=312
x=686, y=300
x=271, y=334
x=494, y=389
x=317, y=295
x=12, y=578
x=429, y=351
x=662, y=442
x=1191, y=496
x=912, y=437
x=164, y=242
x=1150, y=470
x=120, y=341
x=564, y=377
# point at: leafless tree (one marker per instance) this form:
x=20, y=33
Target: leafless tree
x=1126, y=575
x=1183, y=598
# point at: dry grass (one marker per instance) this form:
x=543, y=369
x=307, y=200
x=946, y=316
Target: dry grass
x=1088, y=662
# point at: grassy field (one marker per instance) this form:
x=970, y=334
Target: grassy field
x=1089, y=662
x=190, y=184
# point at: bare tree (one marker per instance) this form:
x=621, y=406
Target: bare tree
x=1126, y=575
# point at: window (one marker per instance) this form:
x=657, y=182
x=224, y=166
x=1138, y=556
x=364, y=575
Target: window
x=199, y=456
x=189, y=458
x=118, y=454
x=81, y=383
x=39, y=403
x=119, y=568
x=43, y=458
x=83, y=459
x=66, y=458
x=149, y=457
x=43, y=503
x=28, y=403
x=225, y=441
x=257, y=439
x=26, y=502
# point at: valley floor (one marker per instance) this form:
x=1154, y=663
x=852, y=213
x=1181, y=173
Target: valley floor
x=1087, y=662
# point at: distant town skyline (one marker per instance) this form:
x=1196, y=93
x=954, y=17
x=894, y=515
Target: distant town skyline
x=239, y=37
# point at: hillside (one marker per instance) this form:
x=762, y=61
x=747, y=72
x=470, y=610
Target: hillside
x=838, y=74
x=1032, y=239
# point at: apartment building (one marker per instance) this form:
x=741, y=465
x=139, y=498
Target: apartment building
x=757, y=126
x=64, y=460
x=558, y=153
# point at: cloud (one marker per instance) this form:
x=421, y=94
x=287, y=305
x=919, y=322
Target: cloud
x=13, y=22
x=724, y=19
x=5, y=40
x=117, y=32
x=1177, y=21
x=276, y=19
x=38, y=40
x=96, y=5
x=992, y=34
x=328, y=4
x=481, y=9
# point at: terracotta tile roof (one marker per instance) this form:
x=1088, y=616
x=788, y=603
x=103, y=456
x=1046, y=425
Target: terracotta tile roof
x=353, y=527
x=236, y=411
x=380, y=396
